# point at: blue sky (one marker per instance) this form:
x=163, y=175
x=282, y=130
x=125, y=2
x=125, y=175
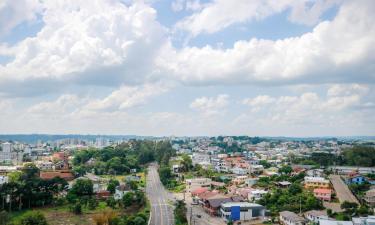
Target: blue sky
x=188, y=67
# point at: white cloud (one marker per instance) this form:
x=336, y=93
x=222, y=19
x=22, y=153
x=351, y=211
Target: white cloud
x=337, y=51
x=126, y=97
x=210, y=106
x=87, y=42
x=220, y=14
x=15, y=12
x=308, y=108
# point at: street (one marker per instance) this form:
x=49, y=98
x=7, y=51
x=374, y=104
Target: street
x=161, y=208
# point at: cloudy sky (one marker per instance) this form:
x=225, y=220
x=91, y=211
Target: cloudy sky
x=188, y=67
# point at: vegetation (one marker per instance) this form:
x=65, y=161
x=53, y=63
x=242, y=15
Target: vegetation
x=180, y=213
x=32, y=218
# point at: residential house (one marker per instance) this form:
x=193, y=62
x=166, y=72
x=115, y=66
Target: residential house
x=239, y=180
x=256, y=169
x=370, y=197
x=323, y=194
x=283, y=184
x=370, y=220
x=192, y=184
x=316, y=182
x=355, y=178
x=334, y=222
x=251, y=181
x=316, y=215
x=315, y=173
x=290, y=218
x=3, y=180
x=256, y=194
x=120, y=191
x=239, y=171
x=241, y=211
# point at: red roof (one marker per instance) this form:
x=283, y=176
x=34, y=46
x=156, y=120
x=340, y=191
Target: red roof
x=48, y=175
x=199, y=191
x=322, y=191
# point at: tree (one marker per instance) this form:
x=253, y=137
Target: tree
x=133, y=185
x=30, y=170
x=165, y=174
x=82, y=187
x=112, y=184
x=33, y=218
x=186, y=163
x=139, y=221
x=4, y=218
x=286, y=170
x=294, y=189
x=111, y=202
x=128, y=198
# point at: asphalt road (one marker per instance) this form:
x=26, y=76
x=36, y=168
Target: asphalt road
x=160, y=199
x=342, y=191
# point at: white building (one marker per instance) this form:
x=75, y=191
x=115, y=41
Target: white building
x=3, y=180
x=199, y=158
x=370, y=220
x=316, y=215
x=7, y=147
x=239, y=171
x=334, y=222
x=256, y=194
x=243, y=211
x=290, y=218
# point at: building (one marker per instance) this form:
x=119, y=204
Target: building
x=3, y=180
x=316, y=182
x=243, y=211
x=120, y=191
x=370, y=197
x=355, y=178
x=316, y=215
x=370, y=220
x=239, y=171
x=192, y=184
x=255, y=195
x=290, y=218
x=323, y=194
x=334, y=222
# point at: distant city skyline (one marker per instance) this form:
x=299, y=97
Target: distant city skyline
x=188, y=67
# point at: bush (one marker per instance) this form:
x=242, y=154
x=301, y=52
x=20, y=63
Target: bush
x=33, y=218
x=77, y=209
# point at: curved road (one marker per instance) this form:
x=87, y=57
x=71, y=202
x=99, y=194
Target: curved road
x=161, y=209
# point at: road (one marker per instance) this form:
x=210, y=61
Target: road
x=160, y=199
x=342, y=191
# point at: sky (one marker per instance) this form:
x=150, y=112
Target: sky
x=188, y=67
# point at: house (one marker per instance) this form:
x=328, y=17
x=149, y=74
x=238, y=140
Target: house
x=239, y=171
x=334, y=222
x=370, y=220
x=323, y=194
x=192, y=184
x=120, y=191
x=241, y=211
x=103, y=194
x=283, y=184
x=370, y=197
x=316, y=215
x=290, y=218
x=251, y=181
x=3, y=180
x=315, y=173
x=316, y=182
x=198, y=191
x=255, y=195
x=212, y=204
x=355, y=178
x=256, y=169
x=239, y=180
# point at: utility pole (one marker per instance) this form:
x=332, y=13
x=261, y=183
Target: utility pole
x=300, y=205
